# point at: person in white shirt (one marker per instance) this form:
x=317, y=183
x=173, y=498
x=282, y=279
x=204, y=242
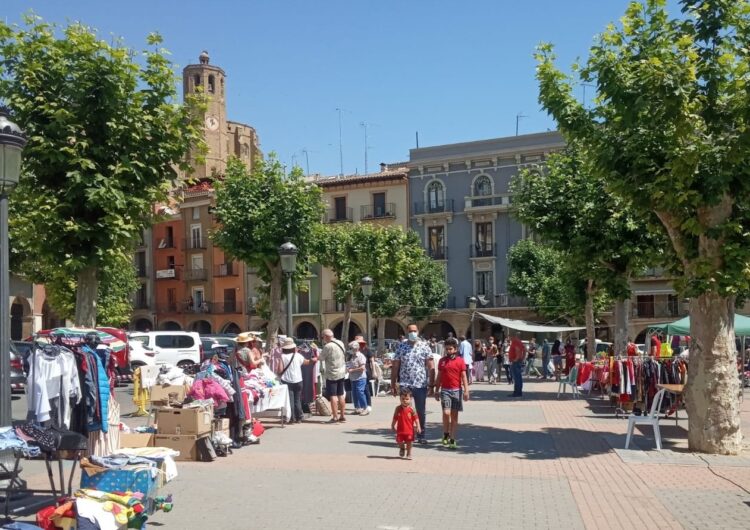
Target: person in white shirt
x=466, y=351
x=291, y=375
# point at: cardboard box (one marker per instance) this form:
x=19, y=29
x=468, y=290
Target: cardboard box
x=136, y=439
x=160, y=393
x=184, y=421
x=185, y=444
x=221, y=424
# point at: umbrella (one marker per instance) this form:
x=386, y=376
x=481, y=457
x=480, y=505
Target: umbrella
x=73, y=336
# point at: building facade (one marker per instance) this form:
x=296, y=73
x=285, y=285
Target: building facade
x=190, y=284
x=461, y=207
x=380, y=198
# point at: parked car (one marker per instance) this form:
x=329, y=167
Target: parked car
x=140, y=355
x=181, y=348
x=24, y=347
x=17, y=374
x=601, y=346
x=208, y=343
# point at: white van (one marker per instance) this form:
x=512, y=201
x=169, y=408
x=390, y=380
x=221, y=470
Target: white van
x=179, y=348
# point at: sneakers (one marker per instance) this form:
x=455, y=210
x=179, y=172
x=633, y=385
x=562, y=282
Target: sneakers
x=364, y=412
x=452, y=445
x=368, y=409
x=445, y=441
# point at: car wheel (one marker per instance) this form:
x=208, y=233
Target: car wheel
x=185, y=364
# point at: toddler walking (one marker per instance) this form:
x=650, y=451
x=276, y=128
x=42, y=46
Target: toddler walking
x=405, y=422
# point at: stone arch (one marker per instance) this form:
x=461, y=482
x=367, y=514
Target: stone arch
x=170, y=325
x=49, y=317
x=231, y=327
x=201, y=326
x=355, y=328
x=20, y=318
x=306, y=330
x=142, y=324
x=393, y=329
x=439, y=328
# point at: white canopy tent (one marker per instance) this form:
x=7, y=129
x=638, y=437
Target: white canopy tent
x=522, y=325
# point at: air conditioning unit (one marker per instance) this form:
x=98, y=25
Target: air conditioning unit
x=502, y=299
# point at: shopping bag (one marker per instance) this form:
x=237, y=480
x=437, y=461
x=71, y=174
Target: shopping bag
x=551, y=368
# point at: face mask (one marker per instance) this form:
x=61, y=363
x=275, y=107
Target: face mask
x=413, y=335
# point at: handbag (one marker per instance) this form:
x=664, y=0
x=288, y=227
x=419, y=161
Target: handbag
x=322, y=407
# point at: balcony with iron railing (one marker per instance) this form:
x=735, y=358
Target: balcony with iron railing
x=226, y=269
x=195, y=243
x=227, y=307
x=433, y=207
x=341, y=215
x=450, y=303
x=168, y=308
x=141, y=304
x=499, y=201
x=660, y=308
x=332, y=306
x=509, y=300
x=482, y=250
x=381, y=211
x=438, y=253
x=192, y=275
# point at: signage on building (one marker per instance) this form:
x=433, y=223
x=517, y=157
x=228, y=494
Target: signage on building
x=165, y=273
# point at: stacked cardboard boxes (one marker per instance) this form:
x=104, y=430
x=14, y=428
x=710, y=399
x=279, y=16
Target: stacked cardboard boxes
x=181, y=429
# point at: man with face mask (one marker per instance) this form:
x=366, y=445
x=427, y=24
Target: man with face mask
x=413, y=368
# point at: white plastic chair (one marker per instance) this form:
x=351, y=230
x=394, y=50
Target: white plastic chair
x=651, y=419
x=571, y=380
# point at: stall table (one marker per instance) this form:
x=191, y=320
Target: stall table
x=274, y=404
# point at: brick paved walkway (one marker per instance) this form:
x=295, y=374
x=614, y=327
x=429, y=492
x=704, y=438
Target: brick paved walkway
x=538, y=462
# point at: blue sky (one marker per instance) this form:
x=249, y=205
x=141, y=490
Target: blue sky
x=454, y=71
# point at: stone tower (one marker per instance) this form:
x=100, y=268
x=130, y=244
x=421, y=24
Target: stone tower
x=209, y=79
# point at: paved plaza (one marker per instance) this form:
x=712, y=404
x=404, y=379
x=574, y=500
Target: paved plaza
x=538, y=462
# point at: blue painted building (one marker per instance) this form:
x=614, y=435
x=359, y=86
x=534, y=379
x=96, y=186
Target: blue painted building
x=461, y=207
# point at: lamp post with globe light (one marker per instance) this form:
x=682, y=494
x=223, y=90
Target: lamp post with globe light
x=367, y=291
x=288, y=256
x=12, y=142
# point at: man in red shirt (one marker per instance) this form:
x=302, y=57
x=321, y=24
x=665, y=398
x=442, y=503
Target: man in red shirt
x=453, y=387
x=516, y=356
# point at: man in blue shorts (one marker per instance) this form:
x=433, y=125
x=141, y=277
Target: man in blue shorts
x=453, y=387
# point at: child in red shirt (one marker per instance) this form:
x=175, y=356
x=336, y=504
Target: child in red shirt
x=405, y=422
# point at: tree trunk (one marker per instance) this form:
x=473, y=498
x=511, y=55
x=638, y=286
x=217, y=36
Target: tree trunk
x=381, y=335
x=87, y=290
x=590, y=331
x=713, y=388
x=274, y=294
x=347, y=319
x=622, y=316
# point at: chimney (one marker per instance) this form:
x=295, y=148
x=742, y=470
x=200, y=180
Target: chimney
x=383, y=167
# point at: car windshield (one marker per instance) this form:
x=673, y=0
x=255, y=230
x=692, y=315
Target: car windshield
x=142, y=339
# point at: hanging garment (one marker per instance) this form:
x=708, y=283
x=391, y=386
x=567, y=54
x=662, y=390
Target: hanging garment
x=103, y=388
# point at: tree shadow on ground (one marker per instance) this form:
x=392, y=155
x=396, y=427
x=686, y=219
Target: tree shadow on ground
x=502, y=393
x=547, y=444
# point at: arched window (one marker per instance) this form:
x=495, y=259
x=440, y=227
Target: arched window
x=197, y=81
x=211, y=84
x=435, y=197
x=482, y=188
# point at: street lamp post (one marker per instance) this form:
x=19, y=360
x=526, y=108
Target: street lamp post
x=288, y=256
x=12, y=142
x=472, y=307
x=367, y=291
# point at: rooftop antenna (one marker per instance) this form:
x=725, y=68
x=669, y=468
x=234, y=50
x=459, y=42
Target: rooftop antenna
x=518, y=118
x=307, y=159
x=417, y=134
x=341, y=144
x=364, y=125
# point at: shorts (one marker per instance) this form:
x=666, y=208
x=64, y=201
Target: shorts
x=452, y=399
x=335, y=387
x=557, y=360
x=404, y=438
